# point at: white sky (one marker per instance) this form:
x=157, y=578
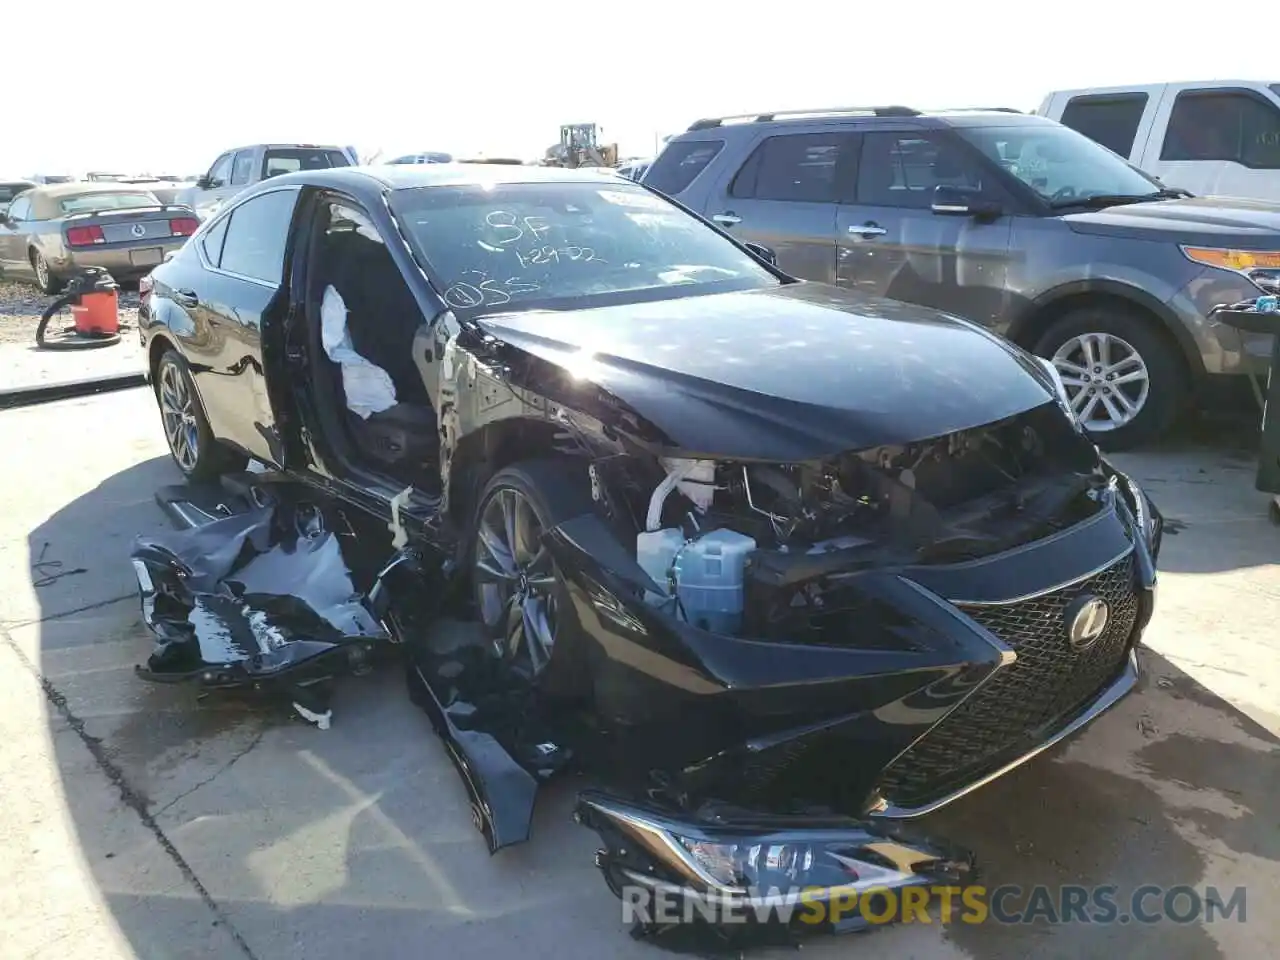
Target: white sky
x=164, y=87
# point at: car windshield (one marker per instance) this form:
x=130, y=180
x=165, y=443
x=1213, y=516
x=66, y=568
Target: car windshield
x=567, y=245
x=98, y=202
x=1060, y=164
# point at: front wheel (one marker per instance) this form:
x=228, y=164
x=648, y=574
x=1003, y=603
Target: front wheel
x=1124, y=378
x=191, y=442
x=517, y=587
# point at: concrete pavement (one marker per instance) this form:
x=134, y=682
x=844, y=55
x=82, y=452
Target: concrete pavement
x=136, y=821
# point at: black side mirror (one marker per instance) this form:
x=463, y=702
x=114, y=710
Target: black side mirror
x=949, y=201
x=761, y=252
x=206, y=182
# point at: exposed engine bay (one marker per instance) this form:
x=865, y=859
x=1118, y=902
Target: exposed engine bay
x=733, y=543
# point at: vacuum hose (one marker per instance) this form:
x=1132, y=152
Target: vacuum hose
x=94, y=280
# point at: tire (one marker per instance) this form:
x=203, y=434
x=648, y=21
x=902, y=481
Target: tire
x=45, y=279
x=1129, y=335
x=186, y=430
x=552, y=491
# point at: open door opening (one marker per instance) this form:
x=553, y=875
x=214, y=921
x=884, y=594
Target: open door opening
x=367, y=396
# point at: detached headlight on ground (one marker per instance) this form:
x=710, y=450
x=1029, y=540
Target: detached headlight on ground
x=754, y=860
x=1261, y=267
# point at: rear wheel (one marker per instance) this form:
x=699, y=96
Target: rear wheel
x=191, y=442
x=45, y=280
x=1124, y=377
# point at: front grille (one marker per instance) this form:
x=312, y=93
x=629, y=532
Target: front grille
x=1025, y=702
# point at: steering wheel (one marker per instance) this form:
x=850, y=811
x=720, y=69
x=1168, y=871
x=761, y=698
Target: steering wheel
x=1063, y=193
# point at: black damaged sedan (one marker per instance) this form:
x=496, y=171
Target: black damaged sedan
x=775, y=565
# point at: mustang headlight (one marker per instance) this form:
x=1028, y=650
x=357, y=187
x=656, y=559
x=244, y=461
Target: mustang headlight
x=1261, y=267
x=1059, y=387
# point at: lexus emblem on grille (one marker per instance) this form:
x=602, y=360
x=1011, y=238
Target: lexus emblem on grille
x=1086, y=620
x=139, y=230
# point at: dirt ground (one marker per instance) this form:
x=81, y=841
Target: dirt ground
x=21, y=305
x=138, y=821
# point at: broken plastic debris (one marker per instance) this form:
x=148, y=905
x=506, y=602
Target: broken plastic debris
x=321, y=720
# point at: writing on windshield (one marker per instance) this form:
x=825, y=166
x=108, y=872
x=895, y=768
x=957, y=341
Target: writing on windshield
x=516, y=246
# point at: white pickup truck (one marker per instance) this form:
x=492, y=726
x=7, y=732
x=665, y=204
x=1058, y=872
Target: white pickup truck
x=1218, y=137
x=242, y=167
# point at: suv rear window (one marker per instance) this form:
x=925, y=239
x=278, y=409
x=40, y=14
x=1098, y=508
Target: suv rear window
x=280, y=162
x=1109, y=120
x=679, y=163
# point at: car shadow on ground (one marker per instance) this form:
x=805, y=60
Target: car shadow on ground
x=301, y=842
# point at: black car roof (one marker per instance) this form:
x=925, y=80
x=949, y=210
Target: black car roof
x=367, y=182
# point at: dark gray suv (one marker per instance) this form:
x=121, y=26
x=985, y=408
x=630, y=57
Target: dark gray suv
x=1010, y=220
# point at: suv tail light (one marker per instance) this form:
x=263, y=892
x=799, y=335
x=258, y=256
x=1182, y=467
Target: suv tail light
x=183, y=226
x=85, y=236
x=144, y=287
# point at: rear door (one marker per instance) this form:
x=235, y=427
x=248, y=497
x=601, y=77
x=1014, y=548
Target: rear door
x=1222, y=141
x=892, y=244
x=785, y=196
x=242, y=259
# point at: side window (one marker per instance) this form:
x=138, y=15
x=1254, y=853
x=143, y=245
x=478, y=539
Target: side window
x=212, y=241
x=242, y=168
x=20, y=209
x=256, y=238
x=798, y=167
x=1224, y=126
x=220, y=172
x=902, y=169
x=1110, y=120
x=679, y=163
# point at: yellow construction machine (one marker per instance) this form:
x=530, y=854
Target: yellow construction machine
x=579, y=146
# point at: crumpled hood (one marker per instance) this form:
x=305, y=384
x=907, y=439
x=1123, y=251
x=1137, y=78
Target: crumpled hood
x=790, y=373
x=1219, y=221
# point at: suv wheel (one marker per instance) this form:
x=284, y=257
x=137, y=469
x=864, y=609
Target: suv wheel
x=1126, y=381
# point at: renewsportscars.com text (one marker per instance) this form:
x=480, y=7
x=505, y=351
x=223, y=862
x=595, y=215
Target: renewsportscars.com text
x=1009, y=904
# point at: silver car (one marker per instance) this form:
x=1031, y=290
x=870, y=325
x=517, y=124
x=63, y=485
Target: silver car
x=50, y=233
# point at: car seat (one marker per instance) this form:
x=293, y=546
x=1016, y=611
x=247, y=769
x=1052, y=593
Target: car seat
x=382, y=321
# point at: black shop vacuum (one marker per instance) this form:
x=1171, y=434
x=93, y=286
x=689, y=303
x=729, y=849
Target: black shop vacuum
x=93, y=296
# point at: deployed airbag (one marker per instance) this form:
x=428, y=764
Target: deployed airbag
x=368, y=387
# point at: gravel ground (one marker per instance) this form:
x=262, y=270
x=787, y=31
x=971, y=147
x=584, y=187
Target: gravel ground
x=21, y=305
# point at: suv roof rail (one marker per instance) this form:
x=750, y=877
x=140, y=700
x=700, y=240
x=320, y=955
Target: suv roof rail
x=767, y=117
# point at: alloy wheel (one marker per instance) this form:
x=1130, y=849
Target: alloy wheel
x=41, y=268
x=1106, y=379
x=178, y=411
x=515, y=580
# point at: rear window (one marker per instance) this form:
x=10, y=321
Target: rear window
x=97, y=202
x=678, y=164
x=10, y=190
x=280, y=162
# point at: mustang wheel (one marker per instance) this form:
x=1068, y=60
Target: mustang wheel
x=515, y=581
x=44, y=280
x=191, y=442
x=1125, y=380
